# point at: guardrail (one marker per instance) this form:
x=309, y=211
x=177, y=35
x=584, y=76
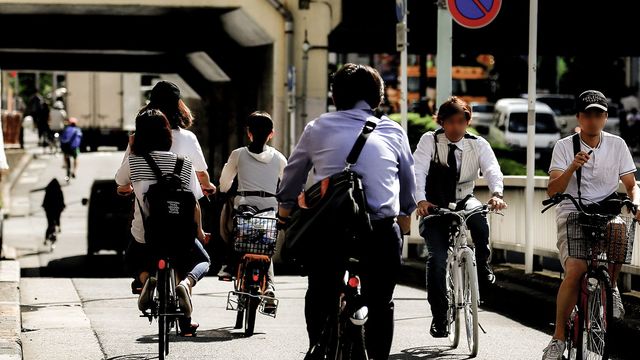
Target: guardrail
x=508, y=233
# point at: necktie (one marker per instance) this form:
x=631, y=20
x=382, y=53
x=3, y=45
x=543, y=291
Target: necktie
x=451, y=159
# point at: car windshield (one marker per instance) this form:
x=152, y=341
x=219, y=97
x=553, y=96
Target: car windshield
x=545, y=123
x=482, y=108
x=560, y=106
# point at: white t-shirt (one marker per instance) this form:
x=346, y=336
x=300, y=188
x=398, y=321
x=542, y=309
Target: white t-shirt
x=609, y=161
x=186, y=143
x=134, y=170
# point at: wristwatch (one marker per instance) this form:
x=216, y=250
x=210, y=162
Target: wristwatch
x=498, y=195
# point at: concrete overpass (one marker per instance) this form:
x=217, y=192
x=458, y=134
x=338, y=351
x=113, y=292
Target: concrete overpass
x=238, y=55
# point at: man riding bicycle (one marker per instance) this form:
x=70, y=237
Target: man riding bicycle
x=386, y=167
x=446, y=173
x=604, y=160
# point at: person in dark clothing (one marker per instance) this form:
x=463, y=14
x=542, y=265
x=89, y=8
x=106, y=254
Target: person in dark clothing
x=53, y=205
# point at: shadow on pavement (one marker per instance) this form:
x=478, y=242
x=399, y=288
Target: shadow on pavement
x=203, y=336
x=142, y=356
x=95, y=266
x=427, y=352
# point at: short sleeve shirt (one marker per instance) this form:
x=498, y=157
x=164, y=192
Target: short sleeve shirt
x=609, y=160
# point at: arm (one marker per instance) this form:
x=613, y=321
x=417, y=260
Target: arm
x=202, y=236
x=407, y=177
x=229, y=172
x=491, y=171
x=422, y=157
x=295, y=173
x=205, y=183
x=561, y=170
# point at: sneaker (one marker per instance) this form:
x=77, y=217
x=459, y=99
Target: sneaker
x=485, y=274
x=136, y=287
x=618, y=308
x=144, y=301
x=554, y=350
x=270, y=303
x=224, y=274
x=184, y=297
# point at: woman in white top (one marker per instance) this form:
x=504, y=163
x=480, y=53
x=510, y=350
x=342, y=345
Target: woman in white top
x=259, y=169
x=165, y=96
x=153, y=137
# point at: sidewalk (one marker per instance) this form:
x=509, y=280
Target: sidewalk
x=10, y=315
x=530, y=299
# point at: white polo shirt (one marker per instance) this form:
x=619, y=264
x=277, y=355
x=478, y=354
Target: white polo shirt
x=609, y=161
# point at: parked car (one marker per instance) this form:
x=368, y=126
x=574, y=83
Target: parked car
x=481, y=114
x=510, y=125
x=564, y=108
x=109, y=218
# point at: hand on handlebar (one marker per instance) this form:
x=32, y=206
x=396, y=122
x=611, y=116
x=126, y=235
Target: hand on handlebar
x=497, y=204
x=425, y=208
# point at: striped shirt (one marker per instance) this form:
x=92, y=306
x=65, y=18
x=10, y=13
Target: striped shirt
x=135, y=170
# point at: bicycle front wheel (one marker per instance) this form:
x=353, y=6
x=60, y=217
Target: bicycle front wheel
x=470, y=294
x=597, y=310
x=453, y=316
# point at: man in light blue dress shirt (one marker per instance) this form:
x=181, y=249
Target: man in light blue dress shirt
x=386, y=166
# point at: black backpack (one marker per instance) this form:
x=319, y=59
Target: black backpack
x=169, y=225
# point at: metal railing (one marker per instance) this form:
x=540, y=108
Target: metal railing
x=507, y=232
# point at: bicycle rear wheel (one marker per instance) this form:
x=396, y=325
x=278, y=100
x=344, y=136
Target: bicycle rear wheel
x=352, y=345
x=453, y=315
x=597, y=310
x=470, y=294
x=163, y=324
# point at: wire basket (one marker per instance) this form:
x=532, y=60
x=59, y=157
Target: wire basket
x=605, y=238
x=255, y=234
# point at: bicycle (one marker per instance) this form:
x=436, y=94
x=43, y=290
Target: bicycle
x=343, y=335
x=463, y=294
x=165, y=306
x=255, y=241
x=598, y=239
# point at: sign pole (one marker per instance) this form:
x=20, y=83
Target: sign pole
x=444, y=57
x=531, y=133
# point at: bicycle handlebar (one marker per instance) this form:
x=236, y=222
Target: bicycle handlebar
x=557, y=198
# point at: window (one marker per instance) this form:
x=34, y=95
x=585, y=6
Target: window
x=545, y=123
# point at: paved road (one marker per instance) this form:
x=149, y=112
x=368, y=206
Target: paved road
x=83, y=309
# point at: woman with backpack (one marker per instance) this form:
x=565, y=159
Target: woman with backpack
x=153, y=140
x=259, y=169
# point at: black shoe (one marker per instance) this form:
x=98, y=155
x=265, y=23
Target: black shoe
x=439, y=328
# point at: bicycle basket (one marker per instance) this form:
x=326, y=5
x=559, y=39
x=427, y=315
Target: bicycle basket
x=605, y=238
x=255, y=234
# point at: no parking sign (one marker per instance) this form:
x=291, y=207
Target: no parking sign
x=474, y=14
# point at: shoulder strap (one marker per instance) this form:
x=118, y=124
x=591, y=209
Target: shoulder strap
x=435, y=146
x=576, y=150
x=179, y=163
x=368, y=128
x=154, y=167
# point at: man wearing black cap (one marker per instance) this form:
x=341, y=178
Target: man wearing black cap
x=603, y=160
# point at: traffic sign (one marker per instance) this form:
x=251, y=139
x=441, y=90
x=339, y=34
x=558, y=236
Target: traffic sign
x=474, y=14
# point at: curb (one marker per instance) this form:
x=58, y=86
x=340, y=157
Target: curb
x=10, y=317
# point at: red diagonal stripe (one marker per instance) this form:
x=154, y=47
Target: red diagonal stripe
x=481, y=6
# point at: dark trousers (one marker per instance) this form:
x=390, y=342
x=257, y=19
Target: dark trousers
x=379, y=268
x=436, y=234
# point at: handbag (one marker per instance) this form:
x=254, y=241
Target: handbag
x=331, y=209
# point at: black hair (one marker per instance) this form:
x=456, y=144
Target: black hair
x=260, y=126
x=152, y=133
x=454, y=105
x=353, y=83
